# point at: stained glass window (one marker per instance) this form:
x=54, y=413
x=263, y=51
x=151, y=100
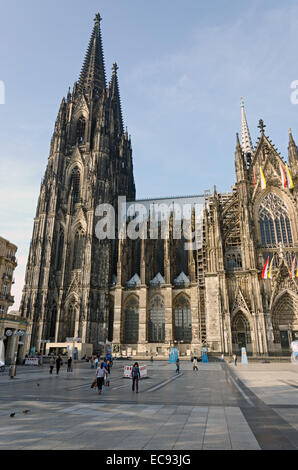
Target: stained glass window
x=80, y=134
x=131, y=321
x=156, y=320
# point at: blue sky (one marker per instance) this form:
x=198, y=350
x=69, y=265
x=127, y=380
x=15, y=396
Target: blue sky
x=183, y=66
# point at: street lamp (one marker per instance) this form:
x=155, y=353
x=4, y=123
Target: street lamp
x=13, y=367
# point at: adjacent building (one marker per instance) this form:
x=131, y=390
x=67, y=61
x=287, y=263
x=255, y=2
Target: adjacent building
x=9, y=322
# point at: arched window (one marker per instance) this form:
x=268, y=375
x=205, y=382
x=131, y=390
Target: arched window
x=156, y=320
x=80, y=131
x=274, y=221
x=75, y=184
x=70, y=321
x=182, y=320
x=52, y=323
x=111, y=319
x=60, y=250
x=78, y=249
x=131, y=321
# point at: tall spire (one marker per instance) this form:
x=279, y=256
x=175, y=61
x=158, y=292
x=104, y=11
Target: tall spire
x=115, y=94
x=246, y=142
x=93, y=76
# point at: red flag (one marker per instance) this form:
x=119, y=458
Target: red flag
x=265, y=269
x=283, y=177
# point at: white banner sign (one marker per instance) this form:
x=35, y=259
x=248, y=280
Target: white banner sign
x=31, y=361
x=143, y=371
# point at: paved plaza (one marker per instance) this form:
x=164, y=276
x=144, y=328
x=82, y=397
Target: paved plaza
x=252, y=406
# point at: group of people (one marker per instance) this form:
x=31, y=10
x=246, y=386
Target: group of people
x=103, y=371
x=58, y=363
x=102, y=376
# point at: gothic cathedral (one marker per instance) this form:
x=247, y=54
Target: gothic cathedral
x=238, y=288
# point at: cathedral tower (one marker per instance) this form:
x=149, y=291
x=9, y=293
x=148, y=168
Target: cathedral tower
x=66, y=292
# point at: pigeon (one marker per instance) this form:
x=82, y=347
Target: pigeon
x=37, y=385
x=12, y=415
x=26, y=411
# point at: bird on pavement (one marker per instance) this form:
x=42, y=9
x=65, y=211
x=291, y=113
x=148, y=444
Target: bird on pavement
x=26, y=411
x=37, y=385
x=12, y=415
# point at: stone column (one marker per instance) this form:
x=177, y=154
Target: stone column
x=194, y=308
x=168, y=298
x=213, y=320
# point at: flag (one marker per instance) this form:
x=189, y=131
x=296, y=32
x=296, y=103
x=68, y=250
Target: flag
x=283, y=177
x=255, y=178
x=263, y=181
x=270, y=268
x=265, y=270
x=290, y=181
x=292, y=273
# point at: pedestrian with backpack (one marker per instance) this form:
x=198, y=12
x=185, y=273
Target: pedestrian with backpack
x=136, y=375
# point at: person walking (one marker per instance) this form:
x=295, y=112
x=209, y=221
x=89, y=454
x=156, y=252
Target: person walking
x=69, y=364
x=107, y=366
x=52, y=364
x=92, y=362
x=222, y=358
x=100, y=377
x=195, y=364
x=235, y=359
x=177, y=366
x=58, y=364
x=136, y=375
x=96, y=361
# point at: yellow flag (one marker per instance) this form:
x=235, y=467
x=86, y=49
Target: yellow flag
x=290, y=181
x=263, y=181
x=270, y=267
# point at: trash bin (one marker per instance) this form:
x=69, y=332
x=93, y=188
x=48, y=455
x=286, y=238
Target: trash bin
x=12, y=371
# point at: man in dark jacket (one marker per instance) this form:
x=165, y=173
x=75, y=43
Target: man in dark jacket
x=135, y=374
x=58, y=364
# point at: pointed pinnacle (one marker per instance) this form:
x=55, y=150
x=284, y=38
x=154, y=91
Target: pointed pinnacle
x=115, y=68
x=261, y=126
x=97, y=18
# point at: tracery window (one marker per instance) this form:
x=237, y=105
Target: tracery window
x=156, y=320
x=78, y=248
x=233, y=261
x=70, y=321
x=182, y=320
x=131, y=321
x=80, y=132
x=274, y=221
x=60, y=250
x=75, y=184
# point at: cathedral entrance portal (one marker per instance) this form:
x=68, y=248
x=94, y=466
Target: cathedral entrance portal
x=284, y=322
x=241, y=337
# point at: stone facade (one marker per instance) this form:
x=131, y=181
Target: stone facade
x=144, y=296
